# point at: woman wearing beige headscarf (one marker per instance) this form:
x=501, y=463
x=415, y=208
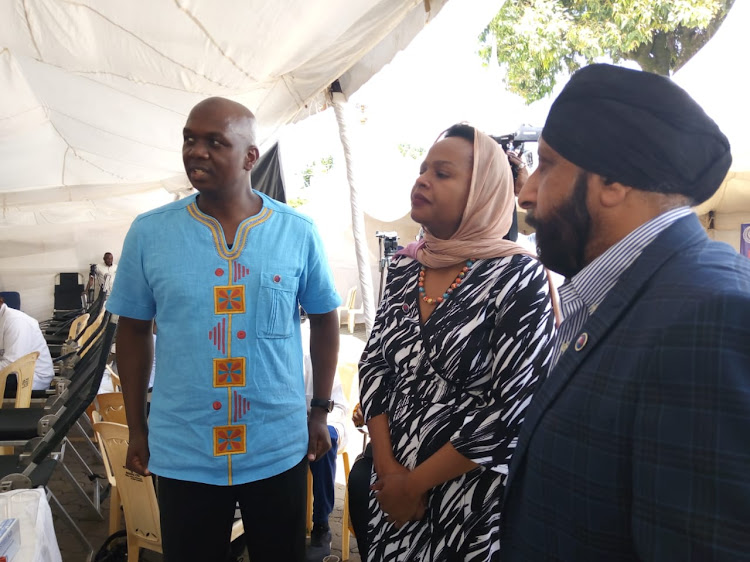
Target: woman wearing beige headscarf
x=461, y=339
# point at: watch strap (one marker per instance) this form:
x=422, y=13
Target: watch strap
x=326, y=404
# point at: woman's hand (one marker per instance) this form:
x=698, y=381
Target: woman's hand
x=398, y=499
x=387, y=464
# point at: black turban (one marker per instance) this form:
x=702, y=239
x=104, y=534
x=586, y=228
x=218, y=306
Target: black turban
x=638, y=129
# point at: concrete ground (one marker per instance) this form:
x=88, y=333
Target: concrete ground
x=96, y=529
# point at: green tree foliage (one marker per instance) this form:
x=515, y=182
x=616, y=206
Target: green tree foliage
x=415, y=152
x=537, y=40
x=314, y=167
x=295, y=202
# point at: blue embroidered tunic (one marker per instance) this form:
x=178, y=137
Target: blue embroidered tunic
x=228, y=405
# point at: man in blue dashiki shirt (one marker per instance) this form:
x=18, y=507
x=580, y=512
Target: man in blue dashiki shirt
x=223, y=273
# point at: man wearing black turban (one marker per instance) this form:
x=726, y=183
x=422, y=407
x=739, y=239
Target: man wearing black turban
x=636, y=446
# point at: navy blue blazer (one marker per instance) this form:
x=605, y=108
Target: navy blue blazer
x=637, y=446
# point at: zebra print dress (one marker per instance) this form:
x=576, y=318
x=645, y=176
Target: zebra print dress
x=465, y=375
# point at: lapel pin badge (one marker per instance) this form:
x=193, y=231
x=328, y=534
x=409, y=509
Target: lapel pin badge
x=581, y=341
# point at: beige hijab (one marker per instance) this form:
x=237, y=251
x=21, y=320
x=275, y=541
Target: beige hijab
x=487, y=217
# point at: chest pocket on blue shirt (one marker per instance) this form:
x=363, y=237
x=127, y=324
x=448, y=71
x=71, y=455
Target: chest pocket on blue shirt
x=277, y=303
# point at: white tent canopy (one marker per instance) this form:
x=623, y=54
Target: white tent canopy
x=94, y=96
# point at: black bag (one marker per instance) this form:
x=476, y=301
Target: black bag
x=114, y=549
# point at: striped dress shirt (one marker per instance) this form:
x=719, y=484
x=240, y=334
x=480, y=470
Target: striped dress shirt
x=583, y=293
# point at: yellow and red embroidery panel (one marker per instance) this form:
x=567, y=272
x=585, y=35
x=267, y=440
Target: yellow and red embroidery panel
x=229, y=372
x=229, y=440
x=229, y=299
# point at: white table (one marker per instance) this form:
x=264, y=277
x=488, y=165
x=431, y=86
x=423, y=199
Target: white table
x=30, y=507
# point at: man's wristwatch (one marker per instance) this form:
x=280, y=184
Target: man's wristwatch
x=327, y=405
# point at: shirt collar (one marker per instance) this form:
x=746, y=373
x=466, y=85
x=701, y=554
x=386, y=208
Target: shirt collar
x=595, y=280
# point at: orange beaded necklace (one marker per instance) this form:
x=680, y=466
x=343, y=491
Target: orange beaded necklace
x=449, y=291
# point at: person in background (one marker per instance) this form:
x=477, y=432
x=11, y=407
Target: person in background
x=635, y=446
x=102, y=277
x=223, y=273
x=459, y=344
x=20, y=335
x=323, y=469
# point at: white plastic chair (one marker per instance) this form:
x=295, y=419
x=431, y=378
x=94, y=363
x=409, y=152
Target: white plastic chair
x=348, y=309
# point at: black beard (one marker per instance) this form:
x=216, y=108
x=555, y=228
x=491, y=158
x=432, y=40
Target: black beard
x=561, y=238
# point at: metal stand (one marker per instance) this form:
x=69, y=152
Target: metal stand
x=385, y=262
x=387, y=251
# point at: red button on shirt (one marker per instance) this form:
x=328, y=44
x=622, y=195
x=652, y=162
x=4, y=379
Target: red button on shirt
x=217, y=405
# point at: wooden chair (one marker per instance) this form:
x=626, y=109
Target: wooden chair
x=137, y=493
x=110, y=407
x=348, y=309
x=346, y=373
x=23, y=368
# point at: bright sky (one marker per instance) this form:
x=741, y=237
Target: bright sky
x=439, y=80
x=717, y=77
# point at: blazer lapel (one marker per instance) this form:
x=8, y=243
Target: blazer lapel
x=681, y=234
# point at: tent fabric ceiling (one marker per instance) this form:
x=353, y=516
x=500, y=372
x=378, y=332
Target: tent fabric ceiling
x=96, y=93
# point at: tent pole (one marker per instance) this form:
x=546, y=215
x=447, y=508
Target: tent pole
x=340, y=107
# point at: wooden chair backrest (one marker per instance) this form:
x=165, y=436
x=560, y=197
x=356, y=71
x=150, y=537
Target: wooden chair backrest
x=23, y=368
x=111, y=407
x=136, y=491
x=85, y=338
x=347, y=373
x=77, y=326
x=96, y=417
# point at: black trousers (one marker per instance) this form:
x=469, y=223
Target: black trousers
x=196, y=519
x=359, y=498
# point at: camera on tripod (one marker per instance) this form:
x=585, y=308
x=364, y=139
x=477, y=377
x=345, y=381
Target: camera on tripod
x=92, y=269
x=389, y=242
x=515, y=142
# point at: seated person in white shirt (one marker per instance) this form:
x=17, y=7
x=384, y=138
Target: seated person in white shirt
x=20, y=335
x=324, y=469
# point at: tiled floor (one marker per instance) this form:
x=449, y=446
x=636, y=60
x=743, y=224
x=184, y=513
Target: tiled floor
x=96, y=529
